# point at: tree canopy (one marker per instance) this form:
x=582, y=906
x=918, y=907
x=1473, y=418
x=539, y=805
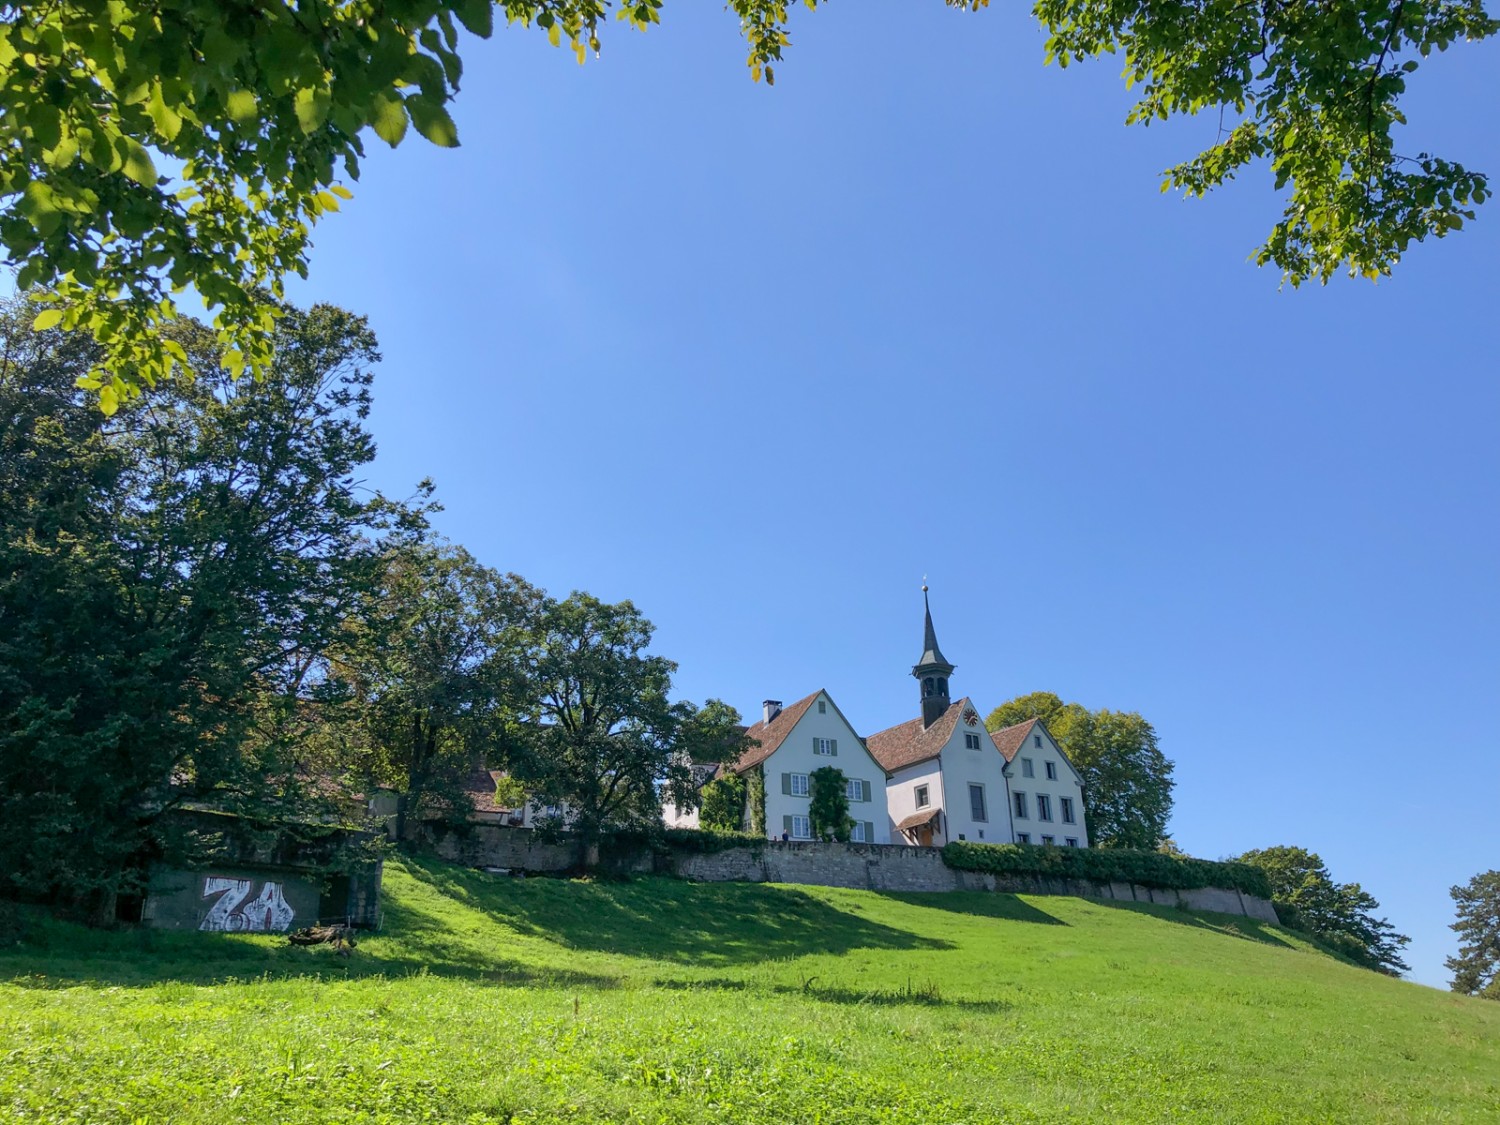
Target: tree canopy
x=1476, y=967
x=1127, y=780
x=1341, y=915
x=153, y=148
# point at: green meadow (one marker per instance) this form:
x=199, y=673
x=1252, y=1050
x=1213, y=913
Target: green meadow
x=490, y=999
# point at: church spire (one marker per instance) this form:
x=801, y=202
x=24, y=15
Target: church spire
x=932, y=671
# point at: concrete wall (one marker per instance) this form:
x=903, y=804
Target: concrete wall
x=876, y=867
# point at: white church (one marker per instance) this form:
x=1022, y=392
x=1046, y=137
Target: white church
x=939, y=777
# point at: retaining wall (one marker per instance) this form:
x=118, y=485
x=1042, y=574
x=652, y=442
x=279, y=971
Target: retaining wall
x=876, y=867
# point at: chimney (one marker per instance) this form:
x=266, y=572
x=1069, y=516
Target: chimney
x=769, y=710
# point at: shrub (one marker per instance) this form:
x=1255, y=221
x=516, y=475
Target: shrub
x=723, y=804
x=1104, y=865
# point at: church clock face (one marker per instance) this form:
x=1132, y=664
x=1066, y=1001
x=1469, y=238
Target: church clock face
x=971, y=717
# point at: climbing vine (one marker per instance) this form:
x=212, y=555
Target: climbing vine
x=828, y=807
x=755, y=785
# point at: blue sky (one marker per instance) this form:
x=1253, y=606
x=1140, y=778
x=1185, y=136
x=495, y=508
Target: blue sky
x=759, y=359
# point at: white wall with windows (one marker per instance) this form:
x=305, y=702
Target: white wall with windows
x=978, y=806
x=915, y=789
x=822, y=737
x=1046, y=795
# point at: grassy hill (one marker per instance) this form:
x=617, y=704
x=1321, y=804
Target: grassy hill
x=487, y=999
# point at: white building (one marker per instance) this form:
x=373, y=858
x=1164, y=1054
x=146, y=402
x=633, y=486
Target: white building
x=1046, y=793
x=789, y=744
x=950, y=779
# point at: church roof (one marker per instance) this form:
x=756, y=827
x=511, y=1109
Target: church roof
x=1008, y=740
x=909, y=743
x=931, y=654
x=771, y=735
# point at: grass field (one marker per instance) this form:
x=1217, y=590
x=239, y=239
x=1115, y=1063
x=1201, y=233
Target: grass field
x=487, y=999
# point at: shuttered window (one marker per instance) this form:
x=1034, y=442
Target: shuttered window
x=828, y=747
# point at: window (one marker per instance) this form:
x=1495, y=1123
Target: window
x=1067, y=809
x=801, y=828
x=1023, y=837
x=822, y=706
x=857, y=833
x=825, y=746
x=799, y=785
x=1051, y=771
x=1020, y=805
x=922, y=798
x=976, y=802
x=1036, y=740
x=1071, y=841
x=1048, y=841
x=1043, y=807
x=854, y=789
x=971, y=741
x=1027, y=769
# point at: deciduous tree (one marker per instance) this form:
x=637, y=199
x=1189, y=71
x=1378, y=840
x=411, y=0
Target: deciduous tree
x=156, y=630
x=1127, y=780
x=151, y=147
x=1476, y=968
x=1339, y=914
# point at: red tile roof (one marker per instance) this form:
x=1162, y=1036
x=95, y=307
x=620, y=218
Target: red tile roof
x=909, y=743
x=917, y=819
x=771, y=735
x=1010, y=739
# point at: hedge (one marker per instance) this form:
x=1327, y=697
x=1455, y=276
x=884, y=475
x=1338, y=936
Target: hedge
x=1107, y=865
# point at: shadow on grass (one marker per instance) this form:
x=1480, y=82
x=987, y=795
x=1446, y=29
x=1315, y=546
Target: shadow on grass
x=62, y=956
x=711, y=924
x=1230, y=925
x=978, y=904
x=910, y=995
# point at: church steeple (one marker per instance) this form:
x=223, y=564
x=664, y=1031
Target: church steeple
x=932, y=671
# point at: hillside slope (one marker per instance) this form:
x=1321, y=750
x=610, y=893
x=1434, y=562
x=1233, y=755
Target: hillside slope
x=487, y=999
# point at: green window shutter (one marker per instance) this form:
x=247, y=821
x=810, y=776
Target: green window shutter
x=786, y=824
x=786, y=784
x=833, y=747
x=865, y=785
x=869, y=832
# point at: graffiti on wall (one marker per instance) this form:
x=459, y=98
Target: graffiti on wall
x=267, y=912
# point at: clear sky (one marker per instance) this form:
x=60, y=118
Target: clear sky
x=759, y=359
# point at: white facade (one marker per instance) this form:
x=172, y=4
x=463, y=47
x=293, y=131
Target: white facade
x=1046, y=793
x=821, y=736
x=961, y=777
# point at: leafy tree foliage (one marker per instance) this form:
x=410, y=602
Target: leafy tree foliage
x=828, y=804
x=149, y=147
x=598, y=735
x=1338, y=914
x=430, y=666
x=169, y=581
x=1127, y=780
x=723, y=804
x=1476, y=969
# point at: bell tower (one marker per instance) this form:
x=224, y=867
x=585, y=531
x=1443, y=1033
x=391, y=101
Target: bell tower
x=932, y=671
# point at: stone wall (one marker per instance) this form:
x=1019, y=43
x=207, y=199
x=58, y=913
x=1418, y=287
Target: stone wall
x=876, y=867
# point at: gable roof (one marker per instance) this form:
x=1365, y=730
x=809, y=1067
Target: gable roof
x=1009, y=740
x=909, y=743
x=771, y=735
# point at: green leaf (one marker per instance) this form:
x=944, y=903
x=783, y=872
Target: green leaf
x=478, y=16
x=388, y=117
x=167, y=121
x=47, y=318
x=137, y=164
x=312, y=108
x=242, y=106
x=109, y=400
x=433, y=122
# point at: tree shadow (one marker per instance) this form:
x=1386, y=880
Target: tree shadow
x=911, y=994
x=1229, y=925
x=704, y=924
x=979, y=904
x=141, y=958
